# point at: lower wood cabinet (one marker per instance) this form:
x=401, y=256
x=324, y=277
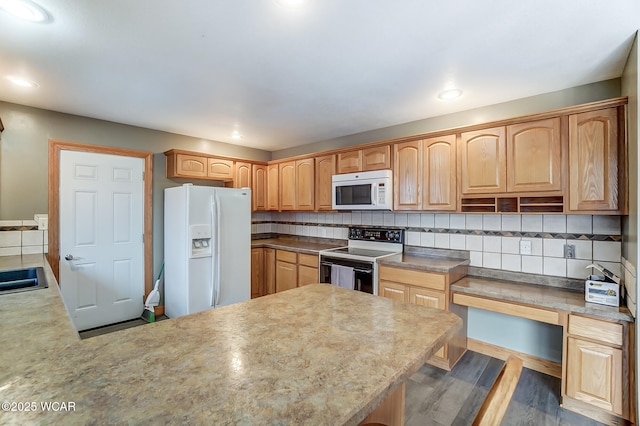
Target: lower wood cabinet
x=257, y=272
x=428, y=289
x=295, y=269
x=597, y=368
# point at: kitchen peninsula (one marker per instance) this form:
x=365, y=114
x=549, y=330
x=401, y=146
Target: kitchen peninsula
x=316, y=354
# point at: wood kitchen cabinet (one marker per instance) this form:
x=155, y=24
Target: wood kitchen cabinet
x=297, y=185
x=242, y=175
x=366, y=159
x=427, y=289
x=325, y=169
x=259, y=187
x=597, y=161
x=257, y=273
x=273, y=187
x=269, y=270
x=220, y=169
x=307, y=269
x=534, y=156
x=482, y=159
x=597, y=369
x=185, y=166
x=425, y=174
x=295, y=269
x=407, y=176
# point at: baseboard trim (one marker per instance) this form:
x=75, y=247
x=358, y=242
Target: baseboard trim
x=532, y=362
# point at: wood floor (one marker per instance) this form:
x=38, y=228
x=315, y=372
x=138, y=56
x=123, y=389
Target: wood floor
x=437, y=397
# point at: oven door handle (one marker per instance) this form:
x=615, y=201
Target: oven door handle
x=366, y=271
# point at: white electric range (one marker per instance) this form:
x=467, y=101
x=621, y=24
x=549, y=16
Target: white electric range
x=355, y=266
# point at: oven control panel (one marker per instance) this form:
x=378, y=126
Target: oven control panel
x=377, y=234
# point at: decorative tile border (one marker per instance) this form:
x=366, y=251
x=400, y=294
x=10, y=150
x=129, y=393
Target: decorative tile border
x=547, y=235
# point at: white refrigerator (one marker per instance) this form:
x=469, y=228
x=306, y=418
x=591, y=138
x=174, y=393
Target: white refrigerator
x=207, y=248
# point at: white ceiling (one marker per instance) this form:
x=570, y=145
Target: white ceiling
x=286, y=77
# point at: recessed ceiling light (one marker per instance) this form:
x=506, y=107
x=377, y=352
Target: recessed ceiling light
x=22, y=82
x=291, y=3
x=25, y=9
x=236, y=135
x=450, y=94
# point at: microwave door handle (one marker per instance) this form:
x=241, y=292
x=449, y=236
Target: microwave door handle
x=374, y=194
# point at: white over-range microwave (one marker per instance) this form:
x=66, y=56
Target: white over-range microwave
x=362, y=191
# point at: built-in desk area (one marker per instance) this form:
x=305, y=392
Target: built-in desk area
x=597, y=367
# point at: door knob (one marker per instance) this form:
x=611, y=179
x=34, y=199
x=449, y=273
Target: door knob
x=69, y=257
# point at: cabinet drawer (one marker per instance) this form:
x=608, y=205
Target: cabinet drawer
x=508, y=308
x=413, y=277
x=286, y=256
x=308, y=260
x=603, y=331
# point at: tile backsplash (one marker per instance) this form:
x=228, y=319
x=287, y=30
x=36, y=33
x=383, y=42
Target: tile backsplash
x=493, y=240
x=18, y=237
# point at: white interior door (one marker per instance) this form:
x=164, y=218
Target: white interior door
x=101, y=237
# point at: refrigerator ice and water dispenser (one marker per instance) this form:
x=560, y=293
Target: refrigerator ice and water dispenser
x=200, y=237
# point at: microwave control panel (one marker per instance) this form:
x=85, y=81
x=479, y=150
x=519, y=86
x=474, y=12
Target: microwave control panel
x=377, y=234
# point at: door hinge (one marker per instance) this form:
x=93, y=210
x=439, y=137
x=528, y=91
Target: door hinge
x=143, y=175
x=142, y=238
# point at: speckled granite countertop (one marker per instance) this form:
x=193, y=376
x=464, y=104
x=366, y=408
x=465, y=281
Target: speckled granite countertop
x=300, y=245
x=432, y=264
x=317, y=354
x=539, y=295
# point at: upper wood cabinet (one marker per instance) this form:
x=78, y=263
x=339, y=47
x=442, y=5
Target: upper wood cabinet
x=595, y=160
x=220, y=169
x=407, y=176
x=425, y=174
x=483, y=161
x=325, y=168
x=259, y=187
x=534, y=156
x=297, y=184
x=273, y=187
x=243, y=175
x=305, y=184
x=287, y=176
x=367, y=159
x=439, y=181
x=350, y=161
x=185, y=165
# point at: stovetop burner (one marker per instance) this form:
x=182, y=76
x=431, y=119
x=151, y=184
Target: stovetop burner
x=361, y=252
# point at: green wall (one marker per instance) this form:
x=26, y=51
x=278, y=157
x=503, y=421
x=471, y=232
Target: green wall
x=24, y=157
x=540, y=103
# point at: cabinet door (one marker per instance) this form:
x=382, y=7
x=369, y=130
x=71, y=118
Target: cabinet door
x=259, y=187
x=594, y=374
x=286, y=276
x=431, y=299
x=377, y=158
x=243, y=175
x=407, y=175
x=307, y=275
x=350, y=161
x=593, y=161
x=257, y=273
x=304, y=184
x=269, y=270
x=273, y=187
x=220, y=169
x=394, y=291
x=325, y=168
x=483, y=166
x=191, y=166
x=439, y=174
x=287, y=174
x=534, y=156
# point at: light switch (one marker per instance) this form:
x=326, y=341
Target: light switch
x=525, y=247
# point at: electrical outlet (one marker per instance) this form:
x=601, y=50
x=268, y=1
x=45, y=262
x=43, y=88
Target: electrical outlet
x=570, y=251
x=525, y=247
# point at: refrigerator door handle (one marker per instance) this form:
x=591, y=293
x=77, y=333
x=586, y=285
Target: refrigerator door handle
x=215, y=261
